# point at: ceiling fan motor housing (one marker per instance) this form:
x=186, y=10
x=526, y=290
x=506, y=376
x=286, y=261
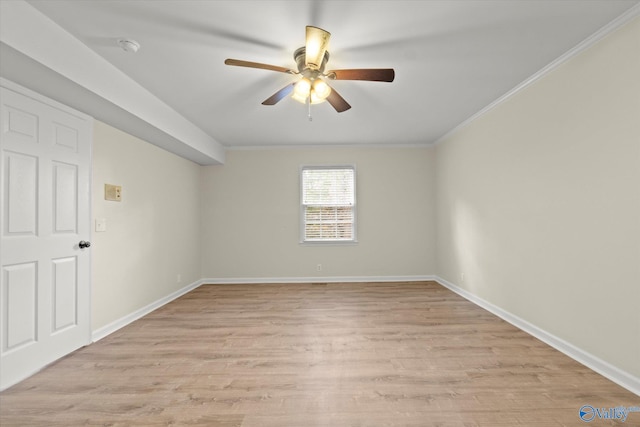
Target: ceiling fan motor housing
x=300, y=54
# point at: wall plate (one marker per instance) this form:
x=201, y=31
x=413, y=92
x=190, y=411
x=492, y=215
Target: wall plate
x=112, y=192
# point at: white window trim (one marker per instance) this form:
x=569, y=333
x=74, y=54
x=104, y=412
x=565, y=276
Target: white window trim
x=337, y=242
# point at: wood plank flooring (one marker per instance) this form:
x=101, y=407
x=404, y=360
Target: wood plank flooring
x=344, y=354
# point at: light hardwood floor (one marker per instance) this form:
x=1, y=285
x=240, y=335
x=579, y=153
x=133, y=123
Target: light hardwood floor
x=348, y=354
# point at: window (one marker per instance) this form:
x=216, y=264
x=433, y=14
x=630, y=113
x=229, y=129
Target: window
x=328, y=208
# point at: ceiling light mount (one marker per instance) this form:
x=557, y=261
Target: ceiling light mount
x=129, y=45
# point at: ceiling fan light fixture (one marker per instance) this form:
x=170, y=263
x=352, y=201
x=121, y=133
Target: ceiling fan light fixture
x=317, y=90
x=301, y=90
x=321, y=89
x=317, y=45
x=315, y=99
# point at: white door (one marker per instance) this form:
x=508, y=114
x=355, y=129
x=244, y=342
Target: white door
x=45, y=172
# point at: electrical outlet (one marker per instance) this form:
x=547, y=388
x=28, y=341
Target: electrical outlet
x=319, y=267
x=462, y=277
x=179, y=278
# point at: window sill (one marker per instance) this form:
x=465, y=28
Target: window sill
x=329, y=242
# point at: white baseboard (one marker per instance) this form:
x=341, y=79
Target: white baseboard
x=100, y=333
x=318, y=279
x=618, y=376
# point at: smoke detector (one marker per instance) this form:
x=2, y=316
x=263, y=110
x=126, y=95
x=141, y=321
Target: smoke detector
x=129, y=45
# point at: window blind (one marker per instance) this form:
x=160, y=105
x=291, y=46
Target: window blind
x=328, y=203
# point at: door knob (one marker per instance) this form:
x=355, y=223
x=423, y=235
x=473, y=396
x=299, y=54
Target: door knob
x=84, y=244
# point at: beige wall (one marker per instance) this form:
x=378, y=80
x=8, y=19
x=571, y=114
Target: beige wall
x=250, y=214
x=538, y=202
x=152, y=234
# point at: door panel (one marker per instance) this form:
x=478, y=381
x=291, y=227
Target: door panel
x=21, y=126
x=45, y=195
x=65, y=293
x=21, y=183
x=66, y=137
x=20, y=306
x=65, y=198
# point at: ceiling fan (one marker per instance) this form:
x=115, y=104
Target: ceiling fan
x=312, y=87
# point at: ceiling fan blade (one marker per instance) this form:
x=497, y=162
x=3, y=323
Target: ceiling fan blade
x=249, y=64
x=276, y=97
x=317, y=42
x=368, y=74
x=337, y=101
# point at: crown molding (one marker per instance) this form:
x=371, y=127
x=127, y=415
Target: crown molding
x=594, y=38
x=326, y=146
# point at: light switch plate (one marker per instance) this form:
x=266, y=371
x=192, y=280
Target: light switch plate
x=101, y=224
x=112, y=192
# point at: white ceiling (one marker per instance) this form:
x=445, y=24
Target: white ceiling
x=452, y=59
